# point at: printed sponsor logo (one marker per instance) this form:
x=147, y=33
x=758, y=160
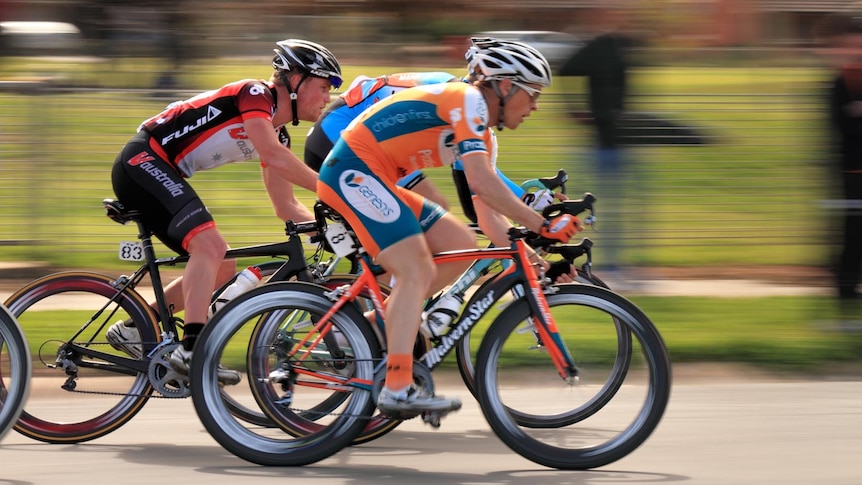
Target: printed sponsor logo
x=400, y=118
x=143, y=160
x=369, y=197
x=472, y=145
x=140, y=158
x=469, y=318
x=212, y=113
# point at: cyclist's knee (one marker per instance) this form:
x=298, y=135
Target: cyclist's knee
x=208, y=244
x=449, y=234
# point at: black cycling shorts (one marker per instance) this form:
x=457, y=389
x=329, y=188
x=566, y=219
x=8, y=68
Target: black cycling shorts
x=317, y=147
x=169, y=206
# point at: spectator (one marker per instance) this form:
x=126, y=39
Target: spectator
x=845, y=116
x=605, y=62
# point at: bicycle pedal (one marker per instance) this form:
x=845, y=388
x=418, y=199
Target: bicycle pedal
x=433, y=417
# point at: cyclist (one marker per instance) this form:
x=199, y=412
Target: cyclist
x=365, y=91
x=424, y=127
x=243, y=120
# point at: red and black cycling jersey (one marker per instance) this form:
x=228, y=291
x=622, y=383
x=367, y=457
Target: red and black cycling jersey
x=207, y=131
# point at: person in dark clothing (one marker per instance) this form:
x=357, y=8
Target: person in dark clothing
x=605, y=62
x=845, y=116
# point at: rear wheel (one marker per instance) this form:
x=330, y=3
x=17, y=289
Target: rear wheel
x=291, y=370
x=93, y=388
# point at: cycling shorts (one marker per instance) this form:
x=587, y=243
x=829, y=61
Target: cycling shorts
x=380, y=212
x=169, y=207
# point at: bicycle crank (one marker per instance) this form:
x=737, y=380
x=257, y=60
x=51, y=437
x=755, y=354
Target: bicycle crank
x=164, y=379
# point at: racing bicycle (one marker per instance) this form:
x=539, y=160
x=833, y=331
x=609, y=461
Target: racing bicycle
x=543, y=369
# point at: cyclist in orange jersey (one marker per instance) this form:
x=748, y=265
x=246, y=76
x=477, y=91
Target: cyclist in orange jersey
x=425, y=127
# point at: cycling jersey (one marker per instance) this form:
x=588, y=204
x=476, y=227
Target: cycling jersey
x=207, y=131
x=428, y=126
x=362, y=93
x=200, y=133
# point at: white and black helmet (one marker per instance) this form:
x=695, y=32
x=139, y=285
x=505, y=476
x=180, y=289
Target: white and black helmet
x=307, y=57
x=495, y=59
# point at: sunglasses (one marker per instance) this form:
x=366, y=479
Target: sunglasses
x=532, y=92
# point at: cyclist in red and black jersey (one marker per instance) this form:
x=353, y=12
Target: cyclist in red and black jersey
x=240, y=121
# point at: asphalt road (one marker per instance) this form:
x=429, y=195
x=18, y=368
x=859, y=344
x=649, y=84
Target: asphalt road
x=720, y=428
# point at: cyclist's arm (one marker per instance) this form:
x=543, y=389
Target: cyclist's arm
x=493, y=192
x=515, y=188
x=276, y=157
x=495, y=226
x=416, y=181
x=280, y=191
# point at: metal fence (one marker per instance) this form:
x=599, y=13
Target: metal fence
x=724, y=175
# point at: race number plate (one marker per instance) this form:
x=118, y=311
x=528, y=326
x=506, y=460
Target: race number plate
x=339, y=239
x=131, y=251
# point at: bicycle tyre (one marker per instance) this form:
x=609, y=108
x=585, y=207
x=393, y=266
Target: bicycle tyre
x=230, y=331
x=15, y=370
x=50, y=311
x=509, y=378
x=466, y=362
x=377, y=426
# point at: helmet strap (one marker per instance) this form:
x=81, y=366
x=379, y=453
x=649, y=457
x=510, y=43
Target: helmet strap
x=293, y=96
x=503, y=99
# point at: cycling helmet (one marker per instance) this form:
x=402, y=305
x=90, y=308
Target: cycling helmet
x=495, y=59
x=310, y=59
x=490, y=59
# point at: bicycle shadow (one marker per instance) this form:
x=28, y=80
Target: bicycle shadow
x=398, y=457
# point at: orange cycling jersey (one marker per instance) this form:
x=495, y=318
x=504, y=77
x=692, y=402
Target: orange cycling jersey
x=422, y=127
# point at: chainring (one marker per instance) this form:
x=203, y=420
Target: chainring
x=164, y=379
x=421, y=376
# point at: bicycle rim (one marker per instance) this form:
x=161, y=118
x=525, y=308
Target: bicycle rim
x=262, y=329
x=514, y=374
x=14, y=370
x=51, y=311
x=242, y=408
x=468, y=345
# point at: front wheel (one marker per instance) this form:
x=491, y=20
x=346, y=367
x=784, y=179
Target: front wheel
x=516, y=377
x=290, y=370
x=14, y=370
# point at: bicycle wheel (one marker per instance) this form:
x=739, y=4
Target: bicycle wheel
x=377, y=426
x=289, y=373
x=465, y=350
x=14, y=370
x=93, y=388
x=237, y=397
x=577, y=430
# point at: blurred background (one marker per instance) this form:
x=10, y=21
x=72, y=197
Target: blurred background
x=726, y=145
x=724, y=165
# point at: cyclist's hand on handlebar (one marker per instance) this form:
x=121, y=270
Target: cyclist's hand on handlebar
x=561, y=228
x=561, y=272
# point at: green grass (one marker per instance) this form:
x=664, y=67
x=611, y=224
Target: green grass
x=805, y=334
x=756, y=187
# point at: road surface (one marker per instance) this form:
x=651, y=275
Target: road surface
x=719, y=429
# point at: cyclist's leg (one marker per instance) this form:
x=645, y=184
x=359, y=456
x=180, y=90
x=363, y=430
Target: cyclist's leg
x=206, y=248
x=448, y=234
x=390, y=231
x=174, y=289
